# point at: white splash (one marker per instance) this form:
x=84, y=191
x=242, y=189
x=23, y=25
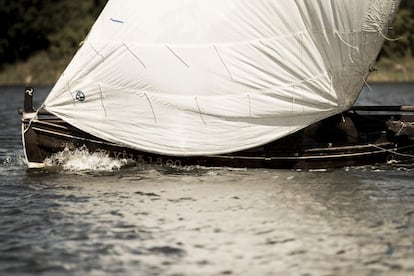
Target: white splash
x=82, y=160
x=12, y=161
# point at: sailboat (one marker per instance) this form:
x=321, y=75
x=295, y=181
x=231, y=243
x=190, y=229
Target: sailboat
x=236, y=83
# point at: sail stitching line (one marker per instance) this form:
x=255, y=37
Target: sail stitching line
x=97, y=53
x=302, y=65
x=152, y=108
x=328, y=32
x=199, y=110
x=222, y=61
x=102, y=98
x=68, y=89
x=177, y=56
x=250, y=105
x=293, y=97
x=250, y=108
x=272, y=88
x=132, y=53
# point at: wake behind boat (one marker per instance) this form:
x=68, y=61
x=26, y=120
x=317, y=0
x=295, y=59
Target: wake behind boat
x=224, y=83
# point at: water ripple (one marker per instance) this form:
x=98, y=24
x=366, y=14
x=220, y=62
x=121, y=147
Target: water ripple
x=202, y=221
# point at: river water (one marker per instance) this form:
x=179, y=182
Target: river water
x=91, y=218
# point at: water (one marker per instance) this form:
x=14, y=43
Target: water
x=92, y=218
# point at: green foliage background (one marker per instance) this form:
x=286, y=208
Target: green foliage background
x=29, y=26
x=44, y=35
x=403, y=28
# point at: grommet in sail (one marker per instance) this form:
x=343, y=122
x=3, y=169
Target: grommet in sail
x=80, y=96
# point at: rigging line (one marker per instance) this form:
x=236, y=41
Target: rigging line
x=388, y=38
x=349, y=45
x=404, y=125
x=199, y=110
x=177, y=56
x=366, y=84
x=34, y=117
x=31, y=121
x=222, y=61
x=346, y=43
x=392, y=151
x=132, y=53
x=152, y=108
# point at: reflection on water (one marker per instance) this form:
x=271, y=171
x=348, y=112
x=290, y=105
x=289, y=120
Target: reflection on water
x=92, y=218
x=209, y=222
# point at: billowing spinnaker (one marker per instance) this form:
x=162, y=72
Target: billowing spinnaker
x=195, y=77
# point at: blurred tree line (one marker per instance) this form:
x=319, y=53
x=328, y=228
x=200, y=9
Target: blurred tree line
x=29, y=26
x=403, y=27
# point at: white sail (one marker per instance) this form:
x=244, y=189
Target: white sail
x=196, y=77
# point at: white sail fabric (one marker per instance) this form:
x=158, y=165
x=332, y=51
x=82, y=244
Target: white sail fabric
x=196, y=77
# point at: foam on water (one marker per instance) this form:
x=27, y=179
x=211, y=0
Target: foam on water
x=11, y=161
x=83, y=160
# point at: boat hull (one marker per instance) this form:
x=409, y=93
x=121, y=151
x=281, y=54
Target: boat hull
x=351, y=139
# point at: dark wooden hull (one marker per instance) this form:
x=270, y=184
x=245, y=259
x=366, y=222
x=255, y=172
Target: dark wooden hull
x=358, y=137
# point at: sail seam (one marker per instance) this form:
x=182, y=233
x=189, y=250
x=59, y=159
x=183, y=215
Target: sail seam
x=270, y=89
x=68, y=89
x=177, y=56
x=250, y=108
x=302, y=64
x=152, y=108
x=102, y=98
x=97, y=53
x=222, y=61
x=293, y=97
x=329, y=32
x=250, y=105
x=136, y=57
